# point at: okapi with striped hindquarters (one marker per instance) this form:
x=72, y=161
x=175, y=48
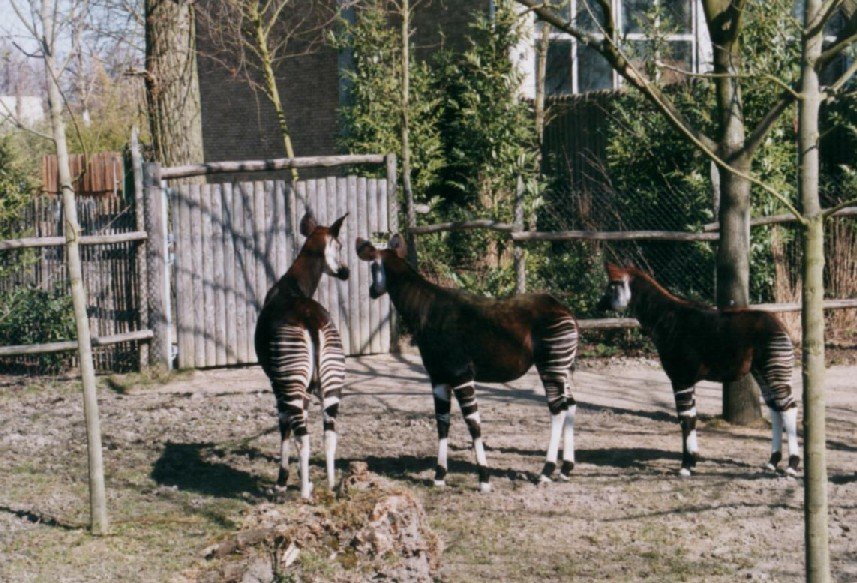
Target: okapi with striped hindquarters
x=696, y=342
x=464, y=338
x=299, y=347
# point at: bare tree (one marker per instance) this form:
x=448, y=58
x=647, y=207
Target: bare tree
x=252, y=39
x=43, y=19
x=732, y=149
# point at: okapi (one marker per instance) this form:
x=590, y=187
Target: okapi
x=299, y=347
x=464, y=338
x=696, y=343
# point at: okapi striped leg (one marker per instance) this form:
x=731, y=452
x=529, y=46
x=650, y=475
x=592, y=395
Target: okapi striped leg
x=568, y=441
x=285, y=435
x=559, y=348
x=465, y=394
x=773, y=373
x=442, y=407
x=685, y=402
x=331, y=369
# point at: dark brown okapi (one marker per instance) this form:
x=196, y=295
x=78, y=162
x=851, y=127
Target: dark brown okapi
x=697, y=343
x=299, y=347
x=465, y=338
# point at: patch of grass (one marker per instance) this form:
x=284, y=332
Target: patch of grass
x=153, y=376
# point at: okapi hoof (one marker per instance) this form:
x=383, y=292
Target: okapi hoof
x=485, y=487
x=546, y=476
x=794, y=464
x=565, y=472
x=306, y=493
x=684, y=472
x=772, y=464
x=282, y=478
x=439, y=476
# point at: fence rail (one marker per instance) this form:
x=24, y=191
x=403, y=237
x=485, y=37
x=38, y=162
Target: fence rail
x=66, y=345
x=35, y=242
x=191, y=170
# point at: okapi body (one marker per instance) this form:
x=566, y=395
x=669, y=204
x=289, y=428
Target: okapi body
x=300, y=349
x=698, y=343
x=464, y=338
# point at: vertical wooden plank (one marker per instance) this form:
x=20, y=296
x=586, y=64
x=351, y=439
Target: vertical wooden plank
x=181, y=235
x=240, y=272
x=207, y=245
x=282, y=192
x=358, y=269
x=319, y=206
x=197, y=276
x=260, y=256
x=156, y=258
x=372, y=226
x=250, y=264
x=269, y=226
x=332, y=282
x=229, y=280
x=363, y=293
x=344, y=287
x=301, y=200
x=384, y=301
x=216, y=244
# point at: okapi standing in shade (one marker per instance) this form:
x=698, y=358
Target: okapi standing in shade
x=465, y=338
x=698, y=343
x=299, y=347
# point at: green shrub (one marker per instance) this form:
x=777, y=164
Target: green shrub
x=35, y=316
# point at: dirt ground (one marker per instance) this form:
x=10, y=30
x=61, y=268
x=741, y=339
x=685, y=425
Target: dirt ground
x=187, y=459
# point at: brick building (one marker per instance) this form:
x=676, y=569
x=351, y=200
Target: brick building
x=239, y=123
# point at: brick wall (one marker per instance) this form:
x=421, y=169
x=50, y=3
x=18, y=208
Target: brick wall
x=239, y=124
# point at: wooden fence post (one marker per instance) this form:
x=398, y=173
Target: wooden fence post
x=519, y=252
x=142, y=246
x=393, y=222
x=156, y=259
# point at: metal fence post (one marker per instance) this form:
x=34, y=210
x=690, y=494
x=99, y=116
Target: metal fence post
x=156, y=260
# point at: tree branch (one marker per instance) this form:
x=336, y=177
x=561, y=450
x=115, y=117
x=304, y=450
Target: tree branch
x=828, y=213
x=846, y=37
x=765, y=125
x=609, y=50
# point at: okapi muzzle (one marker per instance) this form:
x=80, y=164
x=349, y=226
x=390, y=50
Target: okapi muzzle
x=366, y=251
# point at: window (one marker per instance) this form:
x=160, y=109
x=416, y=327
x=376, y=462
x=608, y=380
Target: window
x=574, y=68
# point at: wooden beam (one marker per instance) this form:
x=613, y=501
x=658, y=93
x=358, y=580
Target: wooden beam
x=25, y=349
x=463, y=226
x=612, y=236
x=612, y=323
x=784, y=218
x=268, y=165
x=28, y=242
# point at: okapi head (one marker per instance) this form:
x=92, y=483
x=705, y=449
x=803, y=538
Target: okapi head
x=617, y=296
x=324, y=242
x=393, y=257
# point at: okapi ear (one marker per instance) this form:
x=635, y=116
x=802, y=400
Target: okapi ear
x=308, y=223
x=334, y=228
x=614, y=272
x=397, y=244
x=365, y=250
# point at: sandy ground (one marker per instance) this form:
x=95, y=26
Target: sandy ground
x=186, y=459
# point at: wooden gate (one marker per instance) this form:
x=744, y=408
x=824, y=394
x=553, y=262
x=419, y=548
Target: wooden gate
x=234, y=241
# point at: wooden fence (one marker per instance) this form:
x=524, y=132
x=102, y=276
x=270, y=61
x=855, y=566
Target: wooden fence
x=100, y=174
x=233, y=241
x=108, y=267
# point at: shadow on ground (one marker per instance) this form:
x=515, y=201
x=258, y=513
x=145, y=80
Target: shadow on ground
x=184, y=466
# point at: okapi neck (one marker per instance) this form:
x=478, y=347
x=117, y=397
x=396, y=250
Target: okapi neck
x=411, y=293
x=304, y=274
x=648, y=300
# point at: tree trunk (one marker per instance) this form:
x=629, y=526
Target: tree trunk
x=97, y=498
x=740, y=399
x=406, y=146
x=172, y=86
x=812, y=316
